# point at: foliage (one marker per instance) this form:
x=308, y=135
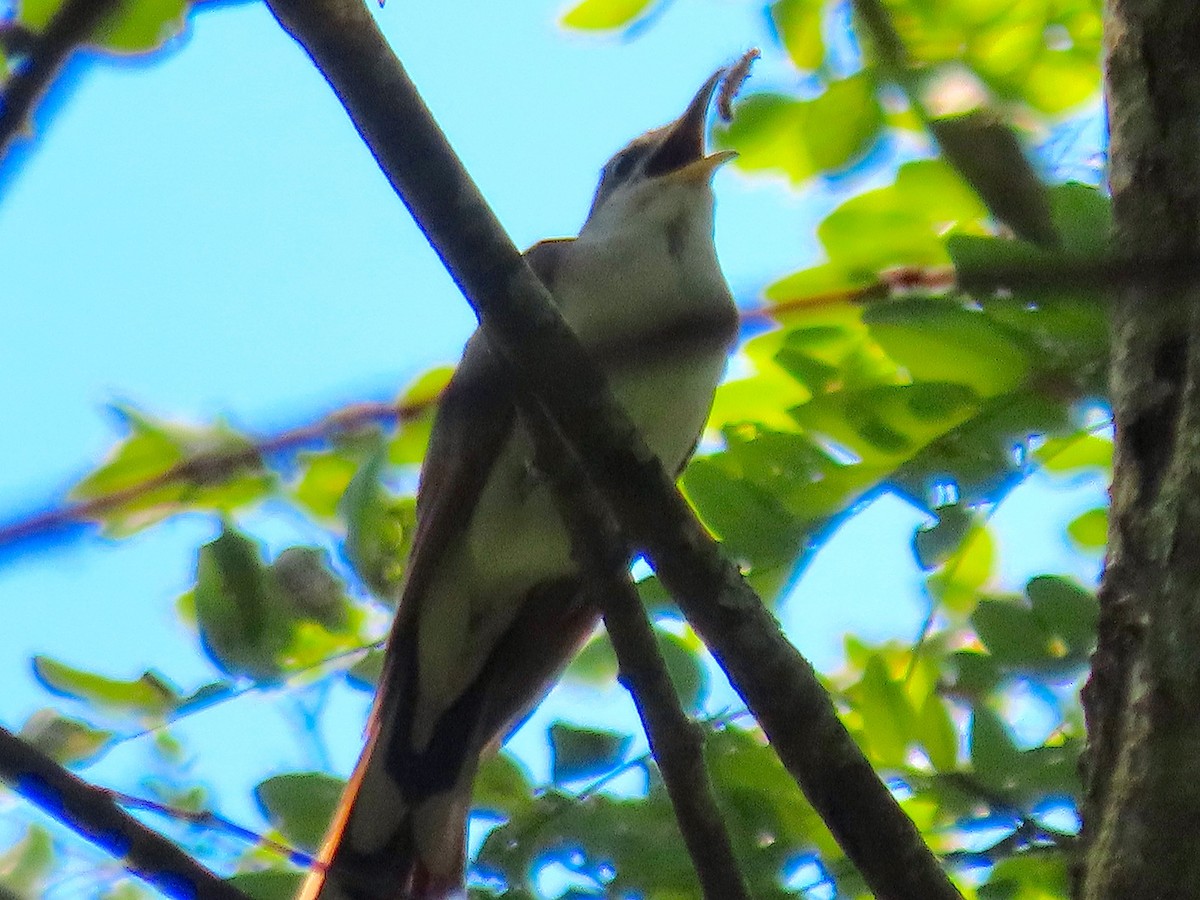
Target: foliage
x=877, y=372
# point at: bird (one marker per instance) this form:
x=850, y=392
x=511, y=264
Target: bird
x=492, y=606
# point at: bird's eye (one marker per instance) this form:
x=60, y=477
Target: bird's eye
x=623, y=164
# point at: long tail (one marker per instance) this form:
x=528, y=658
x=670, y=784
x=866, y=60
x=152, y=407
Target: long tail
x=380, y=846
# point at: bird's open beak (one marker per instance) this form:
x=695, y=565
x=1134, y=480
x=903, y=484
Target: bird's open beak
x=681, y=153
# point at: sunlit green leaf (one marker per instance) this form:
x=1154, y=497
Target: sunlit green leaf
x=602, y=15
x=137, y=26
x=323, y=480
x=936, y=732
x=149, y=695
x=378, y=528
x=595, y=664
x=888, y=719
x=957, y=584
x=67, y=741
x=25, y=866
x=214, y=468
x=1089, y=530
x=802, y=138
x=938, y=341
x=798, y=23
x=1073, y=452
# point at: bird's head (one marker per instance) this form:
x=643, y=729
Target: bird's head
x=661, y=175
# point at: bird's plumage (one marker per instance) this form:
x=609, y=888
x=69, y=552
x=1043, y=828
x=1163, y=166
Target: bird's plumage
x=491, y=609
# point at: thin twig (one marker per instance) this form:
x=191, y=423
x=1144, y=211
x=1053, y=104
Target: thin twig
x=94, y=815
x=207, y=819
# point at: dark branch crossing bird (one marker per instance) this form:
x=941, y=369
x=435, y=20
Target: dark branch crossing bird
x=493, y=607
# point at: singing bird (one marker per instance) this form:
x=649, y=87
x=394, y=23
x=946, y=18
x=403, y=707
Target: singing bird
x=492, y=607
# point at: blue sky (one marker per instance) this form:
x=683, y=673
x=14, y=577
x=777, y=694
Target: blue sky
x=203, y=234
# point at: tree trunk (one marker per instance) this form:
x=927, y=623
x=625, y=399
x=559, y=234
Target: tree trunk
x=1141, y=809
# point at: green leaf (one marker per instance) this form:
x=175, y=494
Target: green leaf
x=604, y=15
x=685, y=669
x=1089, y=530
x=1012, y=634
x=149, y=696
x=418, y=404
x=300, y=805
x=975, y=674
x=1070, y=612
x=242, y=626
x=220, y=472
x=934, y=544
x=994, y=756
x=502, y=786
x=956, y=586
x=584, y=752
x=137, y=26
x=1075, y=452
x=937, y=734
x=323, y=480
x=281, y=884
x=940, y=341
x=798, y=24
x=595, y=664
x=1039, y=876
x=365, y=673
x=25, y=867
x=888, y=720
x=802, y=138
x=309, y=588
x=379, y=527
x=985, y=150
x=748, y=518
x=67, y=741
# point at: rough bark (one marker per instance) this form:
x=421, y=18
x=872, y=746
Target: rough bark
x=1142, y=794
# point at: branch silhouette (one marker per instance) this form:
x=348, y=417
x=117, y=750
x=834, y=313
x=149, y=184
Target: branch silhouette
x=94, y=814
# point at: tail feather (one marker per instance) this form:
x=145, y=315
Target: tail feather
x=380, y=846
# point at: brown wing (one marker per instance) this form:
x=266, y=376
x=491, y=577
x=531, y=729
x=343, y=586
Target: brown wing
x=474, y=419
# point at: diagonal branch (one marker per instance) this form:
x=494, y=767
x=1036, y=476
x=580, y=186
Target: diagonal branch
x=778, y=684
x=675, y=740
x=71, y=26
x=93, y=814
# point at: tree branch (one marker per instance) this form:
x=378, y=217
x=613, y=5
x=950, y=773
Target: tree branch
x=71, y=26
x=93, y=814
x=777, y=683
x=675, y=741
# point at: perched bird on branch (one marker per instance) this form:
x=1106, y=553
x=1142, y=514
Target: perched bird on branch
x=492, y=607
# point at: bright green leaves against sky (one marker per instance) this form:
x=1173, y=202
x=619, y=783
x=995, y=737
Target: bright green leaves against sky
x=137, y=26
